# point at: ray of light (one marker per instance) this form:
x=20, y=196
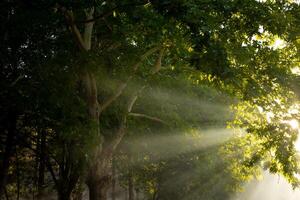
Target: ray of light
x=293, y=123
x=272, y=187
x=168, y=145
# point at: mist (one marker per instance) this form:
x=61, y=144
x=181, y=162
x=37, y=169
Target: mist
x=271, y=186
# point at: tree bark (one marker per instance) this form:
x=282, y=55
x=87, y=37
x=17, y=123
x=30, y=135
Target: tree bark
x=77, y=193
x=98, y=187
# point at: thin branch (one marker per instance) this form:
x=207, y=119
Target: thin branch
x=114, y=46
x=134, y=99
x=88, y=29
x=157, y=65
x=107, y=25
x=121, y=131
x=119, y=136
x=144, y=56
x=109, y=101
x=50, y=169
x=69, y=16
x=111, y=147
x=148, y=117
x=17, y=79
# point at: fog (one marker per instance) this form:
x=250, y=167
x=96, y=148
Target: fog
x=271, y=187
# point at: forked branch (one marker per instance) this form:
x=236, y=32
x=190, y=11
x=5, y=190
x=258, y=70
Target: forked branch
x=124, y=85
x=84, y=42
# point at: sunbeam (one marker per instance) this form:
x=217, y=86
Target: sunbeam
x=271, y=187
x=168, y=145
x=293, y=123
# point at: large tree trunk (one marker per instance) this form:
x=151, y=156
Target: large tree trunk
x=98, y=187
x=97, y=179
x=99, y=184
x=100, y=177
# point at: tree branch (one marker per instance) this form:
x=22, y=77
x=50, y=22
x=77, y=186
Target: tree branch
x=144, y=56
x=110, y=100
x=134, y=98
x=88, y=29
x=124, y=85
x=148, y=117
x=121, y=131
x=69, y=16
x=50, y=169
x=157, y=65
x=83, y=41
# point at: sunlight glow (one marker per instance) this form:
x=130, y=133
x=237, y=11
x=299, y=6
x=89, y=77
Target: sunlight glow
x=297, y=144
x=266, y=38
x=290, y=1
x=271, y=187
x=170, y=145
x=269, y=116
x=293, y=123
x=278, y=44
x=293, y=111
x=297, y=175
x=296, y=1
x=296, y=70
